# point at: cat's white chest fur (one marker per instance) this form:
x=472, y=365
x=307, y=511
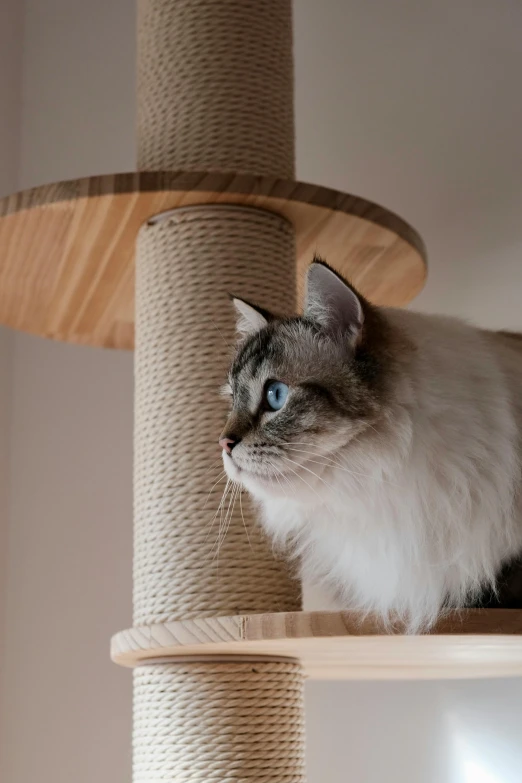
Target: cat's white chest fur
x=390, y=547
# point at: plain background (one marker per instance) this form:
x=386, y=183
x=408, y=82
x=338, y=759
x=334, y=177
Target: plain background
x=412, y=104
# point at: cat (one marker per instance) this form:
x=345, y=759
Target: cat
x=383, y=448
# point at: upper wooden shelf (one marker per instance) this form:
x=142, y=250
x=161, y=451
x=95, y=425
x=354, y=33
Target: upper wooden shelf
x=67, y=249
x=341, y=645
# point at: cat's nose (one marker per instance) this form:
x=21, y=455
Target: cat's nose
x=228, y=443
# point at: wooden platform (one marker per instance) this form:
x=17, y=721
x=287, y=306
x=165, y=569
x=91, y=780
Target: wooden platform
x=67, y=249
x=340, y=646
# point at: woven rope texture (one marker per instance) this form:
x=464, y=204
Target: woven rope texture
x=215, y=86
x=226, y=722
x=215, y=92
x=186, y=265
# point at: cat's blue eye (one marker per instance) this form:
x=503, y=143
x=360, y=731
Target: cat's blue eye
x=276, y=394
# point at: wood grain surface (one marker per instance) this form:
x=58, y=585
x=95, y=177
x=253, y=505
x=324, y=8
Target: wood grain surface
x=67, y=249
x=342, y=645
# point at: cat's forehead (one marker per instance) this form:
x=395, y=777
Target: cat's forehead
x=278, y=347
x=259, y=349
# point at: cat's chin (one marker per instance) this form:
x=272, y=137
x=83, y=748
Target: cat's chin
x=231, y=469
x=257, y=484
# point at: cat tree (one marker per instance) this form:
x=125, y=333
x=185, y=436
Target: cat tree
x=219, y=649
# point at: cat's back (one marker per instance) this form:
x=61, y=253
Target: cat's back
x=451, y=343
x=507, y=348
x=511, y=342
x=450, y=356
x=466, y=380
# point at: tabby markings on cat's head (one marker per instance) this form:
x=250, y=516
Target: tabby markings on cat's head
x=302, y=387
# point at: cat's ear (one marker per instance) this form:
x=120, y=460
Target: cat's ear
x=333, y=303
x=250, y=319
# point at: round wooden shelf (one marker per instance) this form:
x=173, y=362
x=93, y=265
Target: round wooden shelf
x=340, y=645
x=67, y=249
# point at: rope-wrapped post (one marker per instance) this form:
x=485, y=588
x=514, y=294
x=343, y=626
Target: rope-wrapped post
x=186, y=264
x=219, y=721
x=215, y=92
x=215, y=86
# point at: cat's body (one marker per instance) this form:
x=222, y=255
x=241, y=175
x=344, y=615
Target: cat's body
x=394, y=469
x=431, y=510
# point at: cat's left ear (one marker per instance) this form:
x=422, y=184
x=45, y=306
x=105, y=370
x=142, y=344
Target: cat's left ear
x=251, y=319
x=331, y=302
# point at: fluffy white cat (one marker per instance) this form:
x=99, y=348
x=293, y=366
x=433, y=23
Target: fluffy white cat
x=384, y=449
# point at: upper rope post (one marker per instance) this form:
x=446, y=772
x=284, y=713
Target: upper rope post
x=216, y=86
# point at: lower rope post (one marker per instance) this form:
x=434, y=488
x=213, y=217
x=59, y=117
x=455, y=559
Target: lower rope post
x=219, y=721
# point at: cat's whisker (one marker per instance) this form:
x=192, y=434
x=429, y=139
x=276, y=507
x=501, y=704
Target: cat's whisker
x=326, y=464
x=303, y=467
x=243, y=518
x=285, y=478
x=219, y=459
x=331, y=460
x=298, y=443
x=222, y=516
x=308, y=445
x=221, y=477
x=334, y=464
x=306, y=482
x=227, y=514
x=279, y=483
x=223, y=497
x=218, y=330
x=219, y=512
x=220, y=506
x=228, y=519
x=322, y=499
x=210, y=524
x=235, y=491
x=312, y=446
x=277, y=471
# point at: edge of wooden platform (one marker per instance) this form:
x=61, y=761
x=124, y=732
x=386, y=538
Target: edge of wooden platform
x=67, y=249
x=341, y=645
x=219, y=182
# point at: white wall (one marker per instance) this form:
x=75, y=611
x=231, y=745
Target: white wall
x=66, y=707
x=11, y=19
x=411, y=104
x=70, y=555
x=10, y=81
x=78, y=89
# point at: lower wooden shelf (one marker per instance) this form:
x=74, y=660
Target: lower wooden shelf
x=341, y=645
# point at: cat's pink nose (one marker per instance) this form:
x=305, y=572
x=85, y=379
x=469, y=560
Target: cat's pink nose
x=227, y=444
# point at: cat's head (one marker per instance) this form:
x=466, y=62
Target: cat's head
x=301, y=388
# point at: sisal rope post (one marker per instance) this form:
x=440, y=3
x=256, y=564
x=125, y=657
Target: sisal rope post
x=215, y=92
x=219, y=722
x=215, y=86
x=184, y=564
